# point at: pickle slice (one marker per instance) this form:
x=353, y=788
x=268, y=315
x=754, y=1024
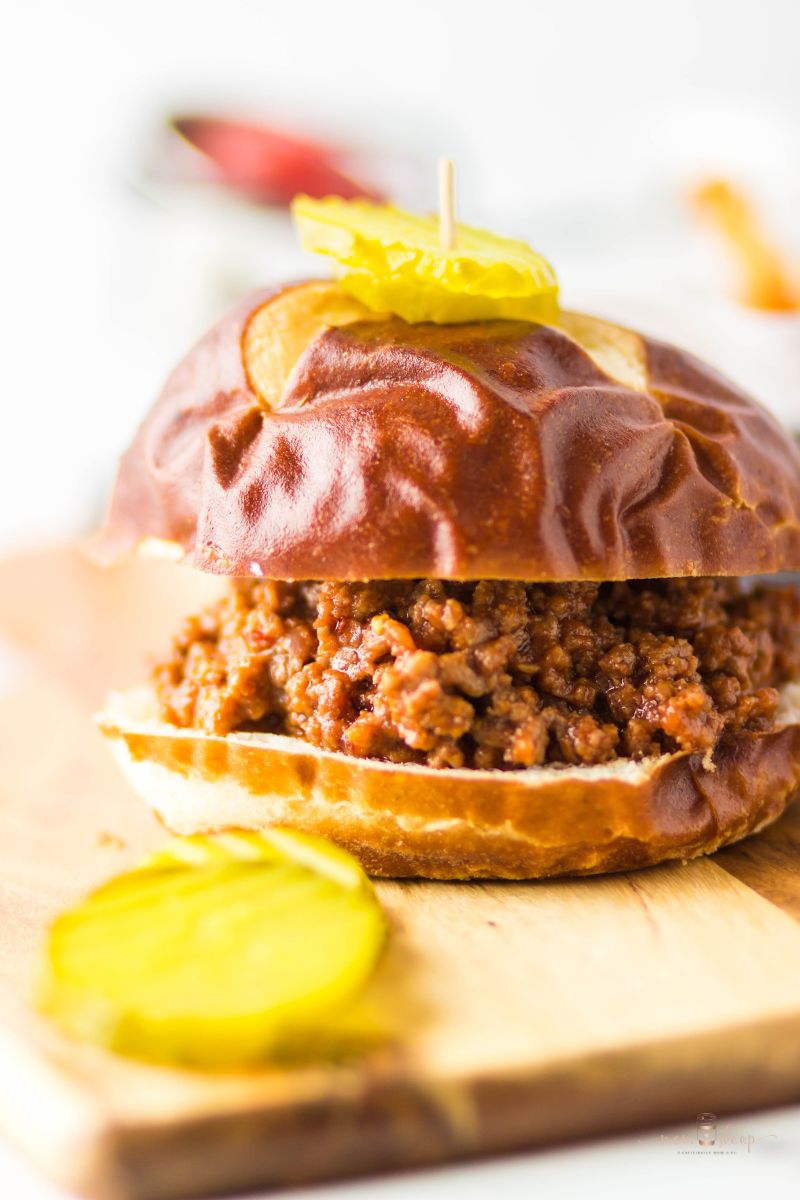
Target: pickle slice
x=394, y=262
x=275, y=845
x=217, y=952
x=285, y=325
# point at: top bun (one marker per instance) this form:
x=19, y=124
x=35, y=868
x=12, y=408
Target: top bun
x=294, y=445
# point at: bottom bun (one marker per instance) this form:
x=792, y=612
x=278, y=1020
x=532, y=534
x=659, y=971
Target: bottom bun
x=406, y=820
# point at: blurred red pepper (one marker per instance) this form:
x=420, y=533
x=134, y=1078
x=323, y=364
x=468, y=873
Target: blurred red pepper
x=267, y=166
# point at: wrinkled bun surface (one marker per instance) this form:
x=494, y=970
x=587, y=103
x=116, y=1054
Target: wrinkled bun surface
x=493, y=450
x=447, y=824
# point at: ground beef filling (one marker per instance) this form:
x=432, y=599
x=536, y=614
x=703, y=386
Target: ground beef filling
x=487, y=674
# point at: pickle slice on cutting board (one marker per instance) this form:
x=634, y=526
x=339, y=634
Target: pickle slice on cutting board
x=219, y=951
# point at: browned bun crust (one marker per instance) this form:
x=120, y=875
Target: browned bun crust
x=446, y=824
x=493, y=450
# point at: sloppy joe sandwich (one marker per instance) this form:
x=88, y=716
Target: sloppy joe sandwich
x=501, y=599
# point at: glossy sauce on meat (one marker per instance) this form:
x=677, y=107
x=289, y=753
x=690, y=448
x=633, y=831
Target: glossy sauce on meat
x=487, y=674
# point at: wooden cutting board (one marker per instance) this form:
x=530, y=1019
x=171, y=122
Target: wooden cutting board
x=528, y=1013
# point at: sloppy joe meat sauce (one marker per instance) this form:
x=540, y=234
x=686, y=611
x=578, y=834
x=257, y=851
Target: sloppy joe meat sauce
x=487, y=674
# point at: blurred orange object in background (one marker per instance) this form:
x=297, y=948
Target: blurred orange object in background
x=765, y=280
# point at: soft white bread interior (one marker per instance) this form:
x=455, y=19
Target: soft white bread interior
x=406, y=820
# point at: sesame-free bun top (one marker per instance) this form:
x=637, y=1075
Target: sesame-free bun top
x=305, y=437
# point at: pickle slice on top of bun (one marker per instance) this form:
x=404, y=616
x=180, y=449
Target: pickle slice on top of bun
x=501, y=599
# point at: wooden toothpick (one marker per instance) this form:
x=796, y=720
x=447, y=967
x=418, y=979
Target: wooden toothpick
x=447, y=204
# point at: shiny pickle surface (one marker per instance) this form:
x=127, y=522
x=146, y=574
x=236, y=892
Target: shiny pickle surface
x=393, y=261
x=219, y=951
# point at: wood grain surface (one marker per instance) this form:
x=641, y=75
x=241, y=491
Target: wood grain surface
x=523, y=1013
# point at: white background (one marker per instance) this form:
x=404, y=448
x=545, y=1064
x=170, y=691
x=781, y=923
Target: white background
x=577, y=125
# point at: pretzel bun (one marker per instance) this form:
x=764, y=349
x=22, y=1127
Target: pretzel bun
x=307, y=438
x=460, y=824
